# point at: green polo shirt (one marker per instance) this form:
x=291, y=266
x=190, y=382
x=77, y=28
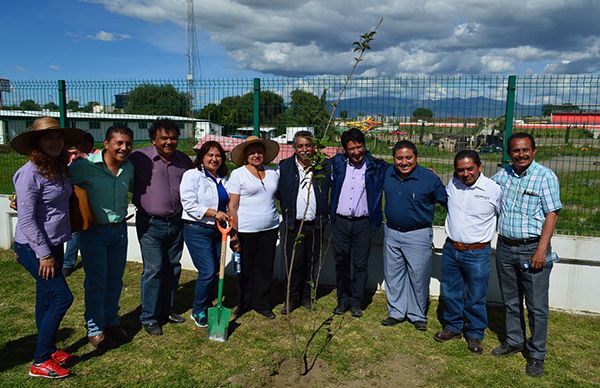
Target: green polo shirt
x=107, y=193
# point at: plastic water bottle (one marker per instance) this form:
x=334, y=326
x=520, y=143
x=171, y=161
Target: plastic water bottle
x=237, y=262
x=551, y=258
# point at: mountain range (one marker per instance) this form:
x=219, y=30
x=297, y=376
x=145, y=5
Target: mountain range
x=442, y=108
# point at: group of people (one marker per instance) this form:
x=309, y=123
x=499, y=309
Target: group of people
x=179, y=201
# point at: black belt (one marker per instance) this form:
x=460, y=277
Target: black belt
x=519, y=241
x=112, y=224
x=351, y=218
x=161, y=218
x=405, y=229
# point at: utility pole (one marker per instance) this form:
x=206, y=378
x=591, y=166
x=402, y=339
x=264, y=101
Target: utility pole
x=192, y=54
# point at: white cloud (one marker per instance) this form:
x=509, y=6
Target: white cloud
x=21, y=69
x=307, y=37
x=54, y=67
x=104, y=36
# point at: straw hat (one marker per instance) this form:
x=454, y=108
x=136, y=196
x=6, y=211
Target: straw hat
x=238, y=154
x=23, y=142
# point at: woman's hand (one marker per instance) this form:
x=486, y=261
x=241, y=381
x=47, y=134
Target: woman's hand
x=222, y=217
x=47, y=267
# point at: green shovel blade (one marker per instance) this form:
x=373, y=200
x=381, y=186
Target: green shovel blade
x=218, y=323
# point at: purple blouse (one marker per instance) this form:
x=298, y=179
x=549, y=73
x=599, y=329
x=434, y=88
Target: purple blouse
x=42, y=209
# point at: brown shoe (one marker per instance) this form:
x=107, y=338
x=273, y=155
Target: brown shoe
x=446, y=335
x=116, y=333
x=101, y=341
x=475, y=345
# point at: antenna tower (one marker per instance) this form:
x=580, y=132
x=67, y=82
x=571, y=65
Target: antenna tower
x=192, y=53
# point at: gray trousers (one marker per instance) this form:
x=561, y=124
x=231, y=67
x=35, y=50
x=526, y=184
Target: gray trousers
x=516, y=284
x=407, y=270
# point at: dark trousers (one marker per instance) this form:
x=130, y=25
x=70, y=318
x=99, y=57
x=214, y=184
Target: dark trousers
x=52, y=298
x=161, y=243
x=351, y=241
x=304, y=270
x=257, y=257
x=517, y=284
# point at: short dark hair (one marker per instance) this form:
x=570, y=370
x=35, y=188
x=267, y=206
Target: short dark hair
x=521, y=135
x=118, y=128
x=304, y=134
x=405, y=144
x=166, y=124
x=353, y=134
x=88, y=138
x=203, y=150
x=467, y=154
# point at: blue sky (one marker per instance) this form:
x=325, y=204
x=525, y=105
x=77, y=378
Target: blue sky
x=146, y=39
x=67, y=39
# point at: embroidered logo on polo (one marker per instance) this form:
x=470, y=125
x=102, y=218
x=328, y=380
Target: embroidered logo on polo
x=480, y=196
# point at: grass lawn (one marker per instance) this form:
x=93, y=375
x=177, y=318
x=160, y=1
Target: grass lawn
x=360, y=352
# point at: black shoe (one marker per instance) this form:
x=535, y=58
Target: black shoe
x=176, y=318
x=266, y=313
x=506, y=350
x=446, y=335
x=475, y=345
x=420, y=325
x=340, y=309
x=152, y=328
x=67, y=271
x=535, y=367
x=117, y=333
x=285, y=309
x=308, y=304
x=356, y=311
x=239, y=312
x=389, y=321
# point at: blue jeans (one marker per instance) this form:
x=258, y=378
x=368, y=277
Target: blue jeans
x=204, y=245
x=161, y=243
x=71, y=251
x=465, y=277
x=103, y=255
x=517, y=284
x=52, y=298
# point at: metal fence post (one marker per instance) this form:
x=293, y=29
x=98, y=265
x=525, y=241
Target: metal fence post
x=510, y=113
x=256, y=106
x=62, y=102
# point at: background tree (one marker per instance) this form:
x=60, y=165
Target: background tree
x=344, y=114
x=73, y=105
x=89, y=107
x=422, y=114
x=157, y=100
x=29, y=105
x=306, y=110
x=51, y=106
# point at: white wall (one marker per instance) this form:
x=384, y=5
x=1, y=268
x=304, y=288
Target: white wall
x=574, y=283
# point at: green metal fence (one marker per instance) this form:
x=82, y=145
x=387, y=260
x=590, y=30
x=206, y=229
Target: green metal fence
x=441, y=114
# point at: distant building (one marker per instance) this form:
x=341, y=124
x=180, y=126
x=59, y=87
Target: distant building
x=575, y=118
x=121, y=100
x=13, y=122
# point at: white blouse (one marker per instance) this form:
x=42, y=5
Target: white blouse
x=257, y=211
x=198, y=194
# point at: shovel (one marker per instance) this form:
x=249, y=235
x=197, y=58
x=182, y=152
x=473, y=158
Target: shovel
x=218, y=316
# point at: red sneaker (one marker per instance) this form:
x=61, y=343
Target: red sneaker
x=49, y=369
x=63, y=358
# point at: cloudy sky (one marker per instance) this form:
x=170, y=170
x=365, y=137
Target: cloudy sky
x=116, y=39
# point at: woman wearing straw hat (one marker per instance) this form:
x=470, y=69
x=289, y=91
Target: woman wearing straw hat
x=252, y=189
x=43, y=190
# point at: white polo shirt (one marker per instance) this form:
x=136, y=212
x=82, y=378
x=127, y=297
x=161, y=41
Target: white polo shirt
x=472, y=210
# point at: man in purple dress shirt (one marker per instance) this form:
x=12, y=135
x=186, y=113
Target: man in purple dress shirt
x=355, y=211
x=158, y=172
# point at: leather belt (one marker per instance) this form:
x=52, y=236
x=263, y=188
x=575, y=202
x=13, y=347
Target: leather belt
x=161, y=218
x=518, y=242
x=350, y=218
x=467, y=247
x=404, y=229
